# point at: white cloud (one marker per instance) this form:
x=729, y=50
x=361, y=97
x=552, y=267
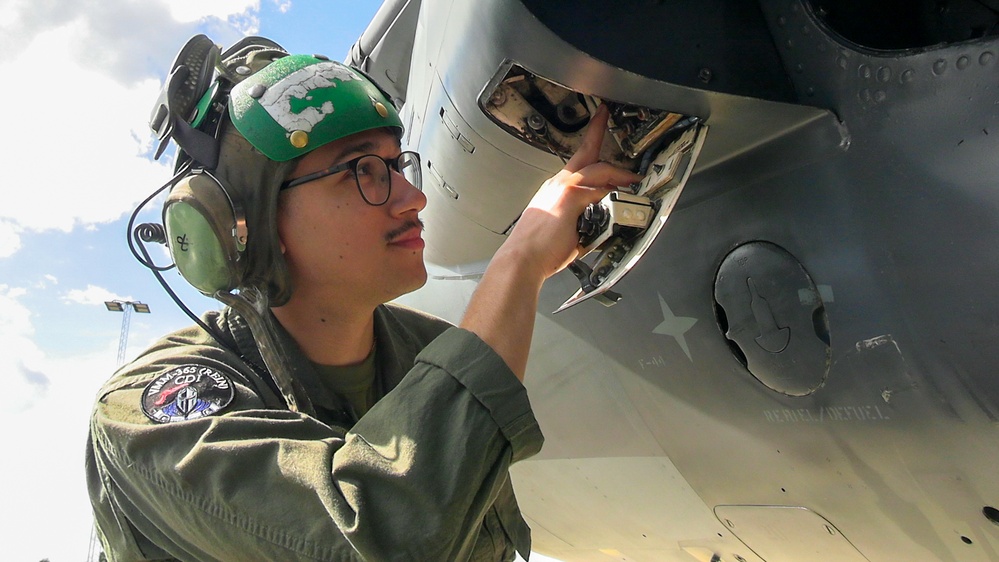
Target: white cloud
x=80, y=80
x=79, y=149
x=52, y=422
x=44, y=282
x=20, y=358
x=127, y=39
x=15, y=319
x=92, y=295
x=282, y=5
x=197, y=10
x=45, y=417
x=10, y=238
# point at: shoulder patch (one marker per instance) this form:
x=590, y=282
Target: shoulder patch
x=187, y=392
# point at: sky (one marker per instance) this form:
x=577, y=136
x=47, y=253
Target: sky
x=80, y=79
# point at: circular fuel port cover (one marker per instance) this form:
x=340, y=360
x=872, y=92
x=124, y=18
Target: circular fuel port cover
x=774, y=318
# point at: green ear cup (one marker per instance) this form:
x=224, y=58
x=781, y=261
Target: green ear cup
x=203, y=235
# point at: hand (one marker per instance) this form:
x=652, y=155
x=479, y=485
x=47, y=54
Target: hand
x=546, y=237
x=545, y=240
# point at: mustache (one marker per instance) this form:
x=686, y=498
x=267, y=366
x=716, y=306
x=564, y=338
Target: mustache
x=406, y=227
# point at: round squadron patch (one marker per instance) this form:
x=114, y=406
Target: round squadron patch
x=188, y=392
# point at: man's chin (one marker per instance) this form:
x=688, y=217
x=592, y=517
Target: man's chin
x=418, y=280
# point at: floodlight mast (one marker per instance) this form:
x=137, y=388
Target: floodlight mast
x=125, y=307
x=95, y=552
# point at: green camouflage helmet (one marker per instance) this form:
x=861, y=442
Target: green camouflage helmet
x=298, y=103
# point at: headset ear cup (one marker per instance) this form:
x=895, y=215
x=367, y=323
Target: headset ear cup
x=201, y=234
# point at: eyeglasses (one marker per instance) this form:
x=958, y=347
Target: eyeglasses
x=372, y=174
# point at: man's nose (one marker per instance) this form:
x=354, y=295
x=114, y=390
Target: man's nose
x=405, y=195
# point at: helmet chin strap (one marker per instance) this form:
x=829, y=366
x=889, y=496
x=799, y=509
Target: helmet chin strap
x=252, y=305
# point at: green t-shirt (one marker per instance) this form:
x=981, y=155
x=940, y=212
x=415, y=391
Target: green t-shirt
x=353, y=383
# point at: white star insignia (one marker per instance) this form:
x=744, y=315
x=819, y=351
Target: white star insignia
x=674, y=326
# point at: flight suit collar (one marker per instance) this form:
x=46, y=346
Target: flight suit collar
x=327, y=407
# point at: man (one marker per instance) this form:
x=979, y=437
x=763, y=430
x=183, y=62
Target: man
x=391, y=433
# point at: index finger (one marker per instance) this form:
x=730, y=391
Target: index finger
x=589, y=150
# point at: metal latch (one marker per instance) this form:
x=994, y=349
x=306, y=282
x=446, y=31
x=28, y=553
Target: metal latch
x=452, y=129
x=616, y=232
x=618, y=214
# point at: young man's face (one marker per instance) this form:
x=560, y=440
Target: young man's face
x=339, y=247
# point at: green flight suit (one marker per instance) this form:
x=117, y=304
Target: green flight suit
x=422, y=476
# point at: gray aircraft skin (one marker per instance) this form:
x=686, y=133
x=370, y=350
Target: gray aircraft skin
x=803, y=364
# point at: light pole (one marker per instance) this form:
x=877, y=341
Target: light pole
x=95, y=553
x=125, y=307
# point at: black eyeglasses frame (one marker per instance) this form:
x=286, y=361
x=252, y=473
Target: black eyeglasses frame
x=391, y=164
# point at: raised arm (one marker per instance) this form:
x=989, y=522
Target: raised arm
x=544, y=242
